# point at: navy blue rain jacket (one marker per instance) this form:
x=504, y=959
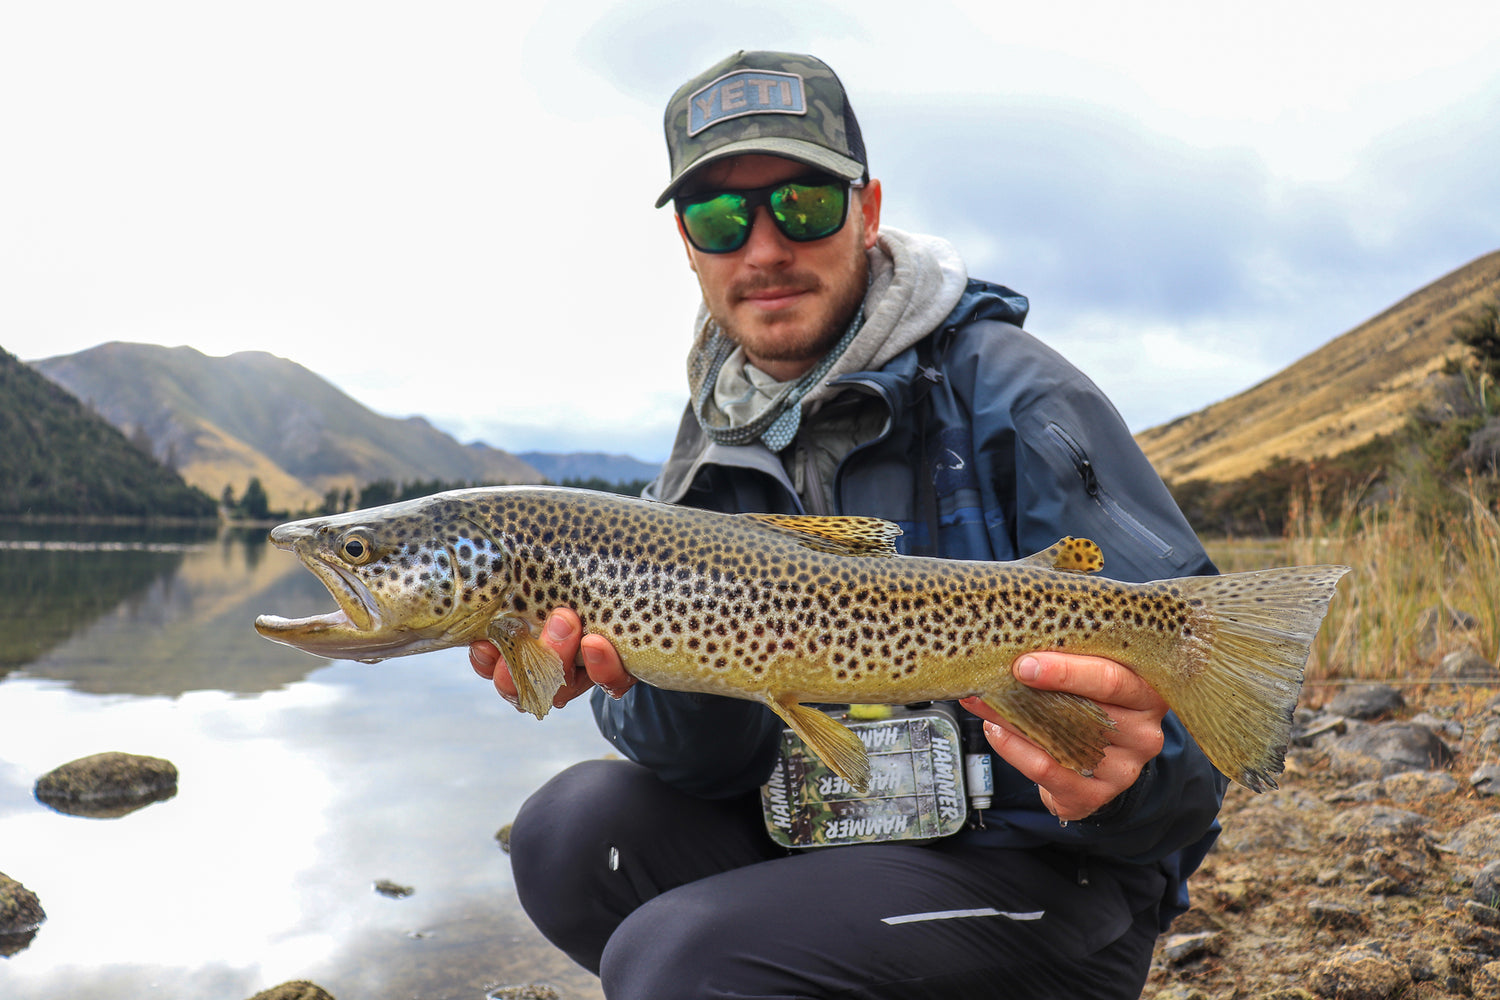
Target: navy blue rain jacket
x=1017, y=448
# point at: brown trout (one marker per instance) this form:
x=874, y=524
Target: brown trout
x=789, y=610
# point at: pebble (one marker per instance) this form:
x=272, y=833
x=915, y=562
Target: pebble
x=393, y=890
x=1486, y=780
x=1179, y=948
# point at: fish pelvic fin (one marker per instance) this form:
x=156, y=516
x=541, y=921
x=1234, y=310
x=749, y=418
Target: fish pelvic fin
x=1069, y=555
x=535, y=668
x=833, y=742
x=838, y=535
x=1073, y=729
x=1243, y=666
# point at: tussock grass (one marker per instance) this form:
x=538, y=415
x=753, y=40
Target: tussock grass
x=1411, y=563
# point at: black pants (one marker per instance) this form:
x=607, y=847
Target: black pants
x=665, y=895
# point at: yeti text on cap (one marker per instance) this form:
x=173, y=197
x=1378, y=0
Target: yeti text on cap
x=747, y=92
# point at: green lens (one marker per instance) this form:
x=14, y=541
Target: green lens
x=720, y=224
x=809, y=211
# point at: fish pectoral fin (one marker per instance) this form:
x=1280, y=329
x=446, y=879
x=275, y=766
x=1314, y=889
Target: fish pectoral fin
x=1074, y=730
x=832, y=741
x=838, y=535
x=536, y=669
x=1068, y=555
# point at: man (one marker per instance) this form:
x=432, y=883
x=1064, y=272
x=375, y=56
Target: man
x=839, y=367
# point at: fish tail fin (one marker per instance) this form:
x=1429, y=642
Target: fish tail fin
x=1242, y=667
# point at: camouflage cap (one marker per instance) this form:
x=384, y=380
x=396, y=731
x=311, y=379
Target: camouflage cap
x=764, y=102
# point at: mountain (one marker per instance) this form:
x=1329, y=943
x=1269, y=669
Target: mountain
x=60, y=459
x=589, y=465
x=222, y=420
x=1363, y=385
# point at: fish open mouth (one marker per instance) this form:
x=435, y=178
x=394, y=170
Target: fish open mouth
x=357, y=611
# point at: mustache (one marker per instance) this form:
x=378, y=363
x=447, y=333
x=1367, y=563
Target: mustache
x=789, y=282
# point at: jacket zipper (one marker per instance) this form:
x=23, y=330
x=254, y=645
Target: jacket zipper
x=1111, y=507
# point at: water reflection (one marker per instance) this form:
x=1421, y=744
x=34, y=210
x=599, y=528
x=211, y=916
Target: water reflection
x=301, y=783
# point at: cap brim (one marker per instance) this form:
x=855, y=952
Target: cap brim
x=792, y=149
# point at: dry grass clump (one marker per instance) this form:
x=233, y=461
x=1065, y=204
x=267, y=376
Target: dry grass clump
x=1407, y=560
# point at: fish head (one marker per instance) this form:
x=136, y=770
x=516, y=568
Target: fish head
x=408, y=577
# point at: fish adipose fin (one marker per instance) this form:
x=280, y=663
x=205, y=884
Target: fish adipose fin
x=832, y=741
x=536, y=669
x=1074, y=730
x=840, y=536
x=1242, y=670
x=1069, y=555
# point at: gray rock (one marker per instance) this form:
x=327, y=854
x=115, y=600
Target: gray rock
x=1435, y=625
x=1361, y=972
x=530, y=991
x=107, y=785
x=1478, y=839
x=1336, y=915
x=1448, y=729
x=20, y=910
x=392, y=890
x=1415, y=786
x=1487, y=885
x=1388, y=748
x=1467, y=665
x=1375, y=823
x=1490, y=735
x=297, y=989
x=1367, y=701
x=1486, y=780
x=1486, y=982
x=1179, y=948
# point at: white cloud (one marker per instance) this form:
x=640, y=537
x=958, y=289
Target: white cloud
x=448, y=212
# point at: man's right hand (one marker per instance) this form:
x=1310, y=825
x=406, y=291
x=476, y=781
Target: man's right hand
x=564, y=634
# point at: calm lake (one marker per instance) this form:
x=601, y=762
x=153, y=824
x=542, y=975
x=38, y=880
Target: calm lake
x=302, y=782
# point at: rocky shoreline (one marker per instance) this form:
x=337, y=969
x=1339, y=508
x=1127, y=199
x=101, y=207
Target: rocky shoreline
x=1373, y=874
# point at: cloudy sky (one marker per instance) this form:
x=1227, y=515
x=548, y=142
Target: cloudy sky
x=445, y=209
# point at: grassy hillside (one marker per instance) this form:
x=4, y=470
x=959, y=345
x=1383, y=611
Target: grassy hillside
x=1362, y=387
x=59, y=459
x=224, y=420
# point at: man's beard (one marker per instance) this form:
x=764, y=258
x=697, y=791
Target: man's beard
x=814, y=343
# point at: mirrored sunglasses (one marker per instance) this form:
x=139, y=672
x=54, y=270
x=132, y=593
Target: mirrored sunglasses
x=804, y=209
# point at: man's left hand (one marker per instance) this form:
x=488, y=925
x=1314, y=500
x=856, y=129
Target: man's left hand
x=1136, y=709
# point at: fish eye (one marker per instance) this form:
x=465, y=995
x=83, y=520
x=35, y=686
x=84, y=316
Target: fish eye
x=357, y=547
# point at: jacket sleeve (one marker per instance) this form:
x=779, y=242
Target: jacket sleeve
x=702, y=744
x=1055, y=458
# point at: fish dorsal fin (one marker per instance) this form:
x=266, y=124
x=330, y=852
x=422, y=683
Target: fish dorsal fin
x=1069, y=555
x=841, y=536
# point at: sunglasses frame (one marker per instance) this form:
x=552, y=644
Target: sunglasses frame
x=756, y=197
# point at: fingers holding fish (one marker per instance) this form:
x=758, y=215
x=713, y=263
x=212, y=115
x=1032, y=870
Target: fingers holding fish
x=1093, y=677
x=602, y=666
x=562, y=634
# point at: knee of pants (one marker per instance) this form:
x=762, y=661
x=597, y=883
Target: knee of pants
x=558, y=850
x=673, y=947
